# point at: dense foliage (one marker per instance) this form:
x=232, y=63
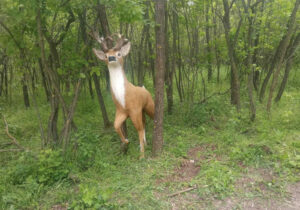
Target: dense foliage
x=224, y=59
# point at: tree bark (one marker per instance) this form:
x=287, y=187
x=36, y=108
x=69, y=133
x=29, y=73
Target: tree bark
x=25, y=92
x=90, y=87
x=106, y=32
x=289, y=57
x=52, y=133
x=140, y=68
x=249, y=64
x=106, y=121
x=65, y=132
x=44, y=81
x=282, y=52
x=169, y=71
x=208, y=49
x=256, y=76
x=235, y=83
x=216, y=48
x=159, y=76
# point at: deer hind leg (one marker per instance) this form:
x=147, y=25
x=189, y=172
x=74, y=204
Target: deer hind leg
x=137, y=120
x=144, y=126
x=149, y=108
x=120, y=118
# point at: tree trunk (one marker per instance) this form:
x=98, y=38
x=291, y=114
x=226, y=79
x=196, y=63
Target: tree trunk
x=25, y=92
x=177, y=51
x=256, y=77
x=282, y=52
x=106, y=121
x=250, y=71
x=169, y=72
x=90, y=87
x=140, y=68
x=159, y=76
x=52, y=134
x=46, y=89
x=152, y=61
x=1, y=81
x=65, y=133
x=249, y=64
x=216, y=48
x=142, y=55
x=6, y=83
x=278, y=56
x=106, y=32
x=235, y=83
x=290, y=57
x=208, y=49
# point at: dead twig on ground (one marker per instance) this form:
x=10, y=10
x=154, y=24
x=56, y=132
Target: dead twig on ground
x=182, y=191
x=13, y=139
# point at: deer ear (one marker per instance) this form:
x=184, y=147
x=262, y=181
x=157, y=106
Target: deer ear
x=125, y=49
x=100, y=54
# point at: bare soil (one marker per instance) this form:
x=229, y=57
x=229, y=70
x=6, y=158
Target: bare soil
x=291, y=202
x=252, y=189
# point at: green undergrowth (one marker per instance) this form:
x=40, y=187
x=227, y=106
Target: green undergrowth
x=92, y=174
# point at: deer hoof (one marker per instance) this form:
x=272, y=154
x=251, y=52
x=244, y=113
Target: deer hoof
x=124, y=147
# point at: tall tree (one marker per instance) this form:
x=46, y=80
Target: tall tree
x=169, y=68
x=276, y=61
x=159, y=76
x=290, y=55
x=284, y=45
x=207, y=34
x=231, y=43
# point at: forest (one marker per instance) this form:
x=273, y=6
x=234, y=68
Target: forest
x=219, y=79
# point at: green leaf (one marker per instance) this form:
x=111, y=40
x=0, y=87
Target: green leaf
x=82, y=75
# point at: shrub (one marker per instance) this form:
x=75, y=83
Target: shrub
x=85, y=148
x=90, y=197
x=46, y=168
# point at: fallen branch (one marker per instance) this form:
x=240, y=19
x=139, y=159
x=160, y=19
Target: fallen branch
x=182, y=191
x=5, y=145
x=14, y=140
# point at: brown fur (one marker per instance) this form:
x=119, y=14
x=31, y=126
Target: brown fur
x=138, y=101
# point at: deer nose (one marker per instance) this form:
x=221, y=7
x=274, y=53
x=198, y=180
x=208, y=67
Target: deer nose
x=111, y=58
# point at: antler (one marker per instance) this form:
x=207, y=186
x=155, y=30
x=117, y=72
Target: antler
x=101, y=40
x=120, y=42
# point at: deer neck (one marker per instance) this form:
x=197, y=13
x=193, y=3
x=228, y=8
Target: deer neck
x=118, y=82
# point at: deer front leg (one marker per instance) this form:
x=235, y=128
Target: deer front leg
x=120, y=118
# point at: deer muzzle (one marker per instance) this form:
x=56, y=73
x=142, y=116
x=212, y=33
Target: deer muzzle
x=112, y=58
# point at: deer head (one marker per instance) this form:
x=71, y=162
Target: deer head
x=114, y=55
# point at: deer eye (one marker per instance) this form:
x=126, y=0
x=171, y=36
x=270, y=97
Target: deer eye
x=119, y=54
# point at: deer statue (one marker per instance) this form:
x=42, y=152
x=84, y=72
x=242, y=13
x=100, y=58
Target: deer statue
x=130, y=101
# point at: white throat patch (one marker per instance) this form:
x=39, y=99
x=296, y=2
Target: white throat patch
x=117, y=82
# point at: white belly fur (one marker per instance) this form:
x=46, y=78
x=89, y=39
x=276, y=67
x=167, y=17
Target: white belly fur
x=117, y=83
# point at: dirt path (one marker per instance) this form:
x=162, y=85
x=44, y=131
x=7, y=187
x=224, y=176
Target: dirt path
x=191, y=200
x=292, y=202
x=252, y=191
x=294, y=199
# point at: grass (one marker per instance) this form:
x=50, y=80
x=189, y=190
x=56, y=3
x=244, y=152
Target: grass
x=263, y=155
